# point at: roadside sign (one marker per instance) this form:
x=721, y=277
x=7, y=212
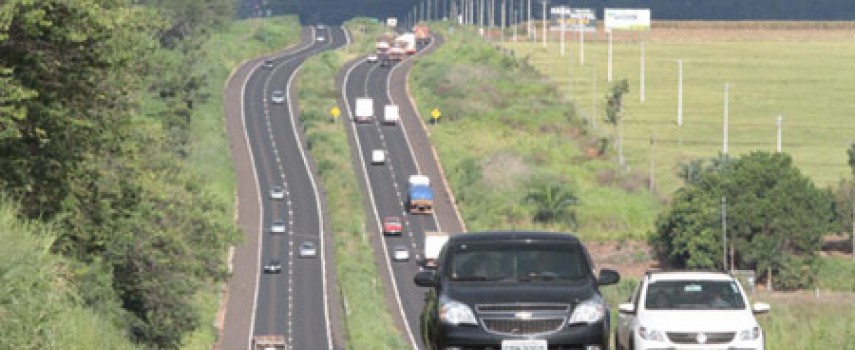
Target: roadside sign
x=335, y=112
x=435, y=114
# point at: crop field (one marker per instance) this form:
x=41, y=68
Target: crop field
x=802, y=72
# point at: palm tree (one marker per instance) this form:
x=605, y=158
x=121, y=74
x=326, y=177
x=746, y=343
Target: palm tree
x=552, y=201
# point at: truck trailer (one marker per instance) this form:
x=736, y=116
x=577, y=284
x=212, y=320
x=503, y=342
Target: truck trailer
x=364, y=110
x=420, y=198
x=269, y=342
x=434, y=241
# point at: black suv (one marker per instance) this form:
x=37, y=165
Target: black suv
x=515, y=290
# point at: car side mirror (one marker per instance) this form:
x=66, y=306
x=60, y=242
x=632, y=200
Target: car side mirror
x=608, y=276
x=761, y=308
x=626, y=308
x=426, y=278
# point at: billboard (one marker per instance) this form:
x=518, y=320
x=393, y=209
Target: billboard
x=574, y=19
x=627, y=19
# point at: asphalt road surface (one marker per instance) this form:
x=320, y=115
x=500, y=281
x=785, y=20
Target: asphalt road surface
x=300, y=302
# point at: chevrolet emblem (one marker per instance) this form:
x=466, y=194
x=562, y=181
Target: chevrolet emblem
x=523, y=315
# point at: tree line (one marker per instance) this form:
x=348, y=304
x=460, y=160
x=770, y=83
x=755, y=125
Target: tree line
x=96, y=100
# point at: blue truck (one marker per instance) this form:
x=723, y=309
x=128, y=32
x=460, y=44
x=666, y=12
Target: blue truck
x=420, y=198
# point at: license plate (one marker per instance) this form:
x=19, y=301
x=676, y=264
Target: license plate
x=524, y=344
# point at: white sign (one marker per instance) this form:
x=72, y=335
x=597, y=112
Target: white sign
x=392, y=22
x=572, y=19
x=627, y=19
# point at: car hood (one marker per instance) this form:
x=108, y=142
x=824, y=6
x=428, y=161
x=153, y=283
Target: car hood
x=698, y=320
x=474, y=293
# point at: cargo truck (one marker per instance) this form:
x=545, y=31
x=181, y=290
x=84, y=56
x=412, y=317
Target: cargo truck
x=420, y=198
x=391, y=114
x=406, y=41
x=422, y=34
x=364, y=110
x=434, y=241
x=269, y=342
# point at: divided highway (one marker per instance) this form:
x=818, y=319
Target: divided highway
x=296, y=302
x=385, y=185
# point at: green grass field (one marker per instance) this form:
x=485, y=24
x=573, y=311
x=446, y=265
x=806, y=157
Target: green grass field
x=808, y=82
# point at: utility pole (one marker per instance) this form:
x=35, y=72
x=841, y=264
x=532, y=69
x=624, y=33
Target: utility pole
x=642, y=71
x=504, y=18
x=726, y=107
x=514, y=20
x=679, y=92
x=724, y=231
x=544, y=2
x=562, y=30
x=779, y=123
x=652, y=164
x=610, y=54
x=528, y=23
x=581, y=45
x=481, y=15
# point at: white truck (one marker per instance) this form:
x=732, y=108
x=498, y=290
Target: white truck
x=392, y=22
x=391, y=114
x=434, y=241
x=269, y=342
x=364, y=110
x=406, y=41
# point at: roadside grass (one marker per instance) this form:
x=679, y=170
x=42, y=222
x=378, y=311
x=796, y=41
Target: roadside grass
x=836, y=273
x=209, y=151
x=504, y=128
x=368, y=322
x=807, y=81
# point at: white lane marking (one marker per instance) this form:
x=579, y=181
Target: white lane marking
x=374, y=208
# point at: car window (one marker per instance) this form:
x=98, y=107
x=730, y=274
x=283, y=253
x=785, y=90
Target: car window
x=507, y=262
x=693, y=295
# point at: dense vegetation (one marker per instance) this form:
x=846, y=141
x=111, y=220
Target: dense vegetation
x=515, y=151
x=367, y=320
x=115, y=236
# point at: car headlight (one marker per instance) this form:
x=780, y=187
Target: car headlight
x=589, y=311
x=750, y=334
x=650, y=334
x=455, y=313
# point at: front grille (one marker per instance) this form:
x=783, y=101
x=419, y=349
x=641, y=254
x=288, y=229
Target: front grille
x=697, y=338
x=522, y=307
x=511, y=326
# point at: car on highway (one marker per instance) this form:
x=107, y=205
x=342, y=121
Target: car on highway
x=378, y=156
x=371, y=58
x=273, y=266
x=277, y=192
x=278, y=96
x=515, y=290
x=393, y=225
x=308, y=250
x=400, y=253
x=268, y=63
x=689, y=309
x=278, y=226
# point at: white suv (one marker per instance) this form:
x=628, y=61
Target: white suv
x=689, y=310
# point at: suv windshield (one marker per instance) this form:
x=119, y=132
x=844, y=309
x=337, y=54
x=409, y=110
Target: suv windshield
x=513, y=263
x=693, y=295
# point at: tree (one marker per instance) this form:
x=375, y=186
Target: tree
x=776, y=218
x=851, y=153
x=614, y=112
x=552, y=201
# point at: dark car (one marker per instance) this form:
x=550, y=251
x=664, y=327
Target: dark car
x=515, y=290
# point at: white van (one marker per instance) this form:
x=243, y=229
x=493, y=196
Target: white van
x=378, y=156
x=391, y=115
x=364, y=109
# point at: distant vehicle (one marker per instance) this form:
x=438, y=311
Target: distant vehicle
x=320, y=39
x=422, y=33
x=393, y=225
x=278, y=96
x=308, y=250
x=420, y=195
x=277, y=192
x=400, y=253
x=434, y=241
x=516, y=290
x=269, y=342
x=384, y=42
x=364, y=110
x=390, y=114
x=392, y=22
x=371, y=58
x=378, y=156
x=278, y=226
x=406, y=41
x=268, y=64
x=682, y=309
x=396, y=54
x=273, y=266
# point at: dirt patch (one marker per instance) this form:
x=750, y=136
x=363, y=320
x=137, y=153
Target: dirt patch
x=630, y=258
